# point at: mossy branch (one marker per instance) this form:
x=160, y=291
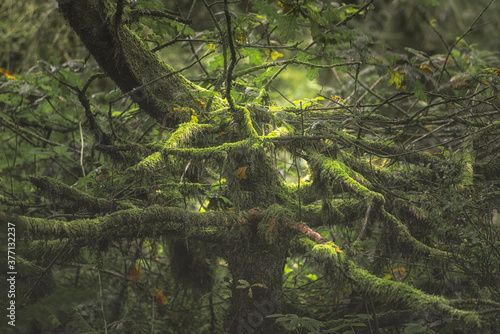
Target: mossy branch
x=388, y=290
x=405, y=237
x=151, y=222
x=180, y=137
x=244, y=115
x=391, y=291
x=466, y=172
x=76, y=198
x=334, y=170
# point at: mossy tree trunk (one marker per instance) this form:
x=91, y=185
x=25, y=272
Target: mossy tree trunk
x=157, y=89
x=154, y=85
x=257, y=271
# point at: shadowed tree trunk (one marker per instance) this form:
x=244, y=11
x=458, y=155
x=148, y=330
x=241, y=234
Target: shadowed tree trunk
x=157, y=88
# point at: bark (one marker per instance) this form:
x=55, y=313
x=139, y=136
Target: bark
x=154, y=85
x=261, y=265
x=160, y=91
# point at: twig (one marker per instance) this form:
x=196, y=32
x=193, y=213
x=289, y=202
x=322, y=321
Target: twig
x=44, y=271
x=233, y=60
x=461, y=37
x=137, y=13
x=348, y=18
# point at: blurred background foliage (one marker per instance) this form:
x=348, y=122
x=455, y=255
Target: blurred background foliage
x=36, y=31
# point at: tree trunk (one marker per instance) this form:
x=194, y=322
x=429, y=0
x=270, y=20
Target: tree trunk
x=261, y=265
x=154, y=85
x=160, y=91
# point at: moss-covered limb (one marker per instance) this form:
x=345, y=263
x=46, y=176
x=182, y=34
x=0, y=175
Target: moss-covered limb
x=326, y=212
x=28, y=276
x=387, y=290
x=180, y=137
x=392, y=291
x=136, y=14
x=386, y=151
x=75, y=198
x=216, y=152
x=288, y=196
x=331, y=171
x=275, y=225
x=467, y=163
x=366, y=168
x=186, y=133
x=244, y=116
x=154, y=221
x=405, y=237
x=474, y=303
x=131, y=65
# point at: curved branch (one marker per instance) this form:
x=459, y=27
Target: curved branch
x=75, y=197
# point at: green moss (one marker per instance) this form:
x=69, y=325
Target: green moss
x=405, y=236
x=467, y=171
x=326, y=250
x=334, y=170
x=391, y=291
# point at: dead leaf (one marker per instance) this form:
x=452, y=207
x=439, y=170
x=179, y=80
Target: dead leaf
x=241, y=173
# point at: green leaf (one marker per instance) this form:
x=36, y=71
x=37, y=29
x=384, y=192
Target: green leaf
x=419, y=91
x=312, y=73
x=60, y=150
x=70, y=78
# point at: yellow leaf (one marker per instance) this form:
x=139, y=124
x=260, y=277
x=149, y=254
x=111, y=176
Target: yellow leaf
x=426, y=69
x=399, y=273
x=7, y=74
x=134, y=273
x=275, y=55
x=432, y=22
x=194, y=119
x=241, y=173
x=388, y=276
x=160, y=299
x=337, y=98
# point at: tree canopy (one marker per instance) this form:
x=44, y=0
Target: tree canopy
x=250, y=167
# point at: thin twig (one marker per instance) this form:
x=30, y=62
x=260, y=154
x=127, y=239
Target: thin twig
x=461, y=37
